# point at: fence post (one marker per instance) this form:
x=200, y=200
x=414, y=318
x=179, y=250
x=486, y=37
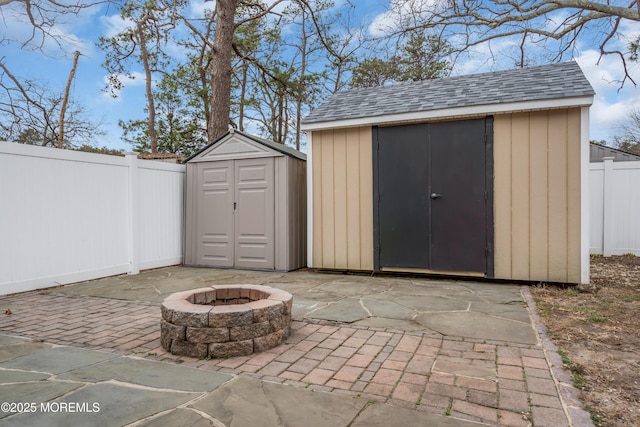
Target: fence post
x=609, y=204
x=133, y=214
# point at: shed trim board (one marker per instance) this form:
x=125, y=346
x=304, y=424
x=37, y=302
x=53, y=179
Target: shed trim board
x=451, y=113
x=584, y=192
x=310, y=200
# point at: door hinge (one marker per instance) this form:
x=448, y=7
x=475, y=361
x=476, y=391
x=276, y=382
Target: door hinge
x=234, y=206
x=486, y=251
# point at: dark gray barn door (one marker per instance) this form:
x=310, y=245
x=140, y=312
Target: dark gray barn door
x=403, y=200
x=433, y=209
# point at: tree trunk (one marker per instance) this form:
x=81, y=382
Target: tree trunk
x=144, y=55
x=63, y=109
x=203, y=92
x=302, y=85
x=221, y=73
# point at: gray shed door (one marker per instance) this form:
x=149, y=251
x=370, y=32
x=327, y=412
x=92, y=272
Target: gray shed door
x=432, y=197
x=254, y=213
x=235, y=213
x=214, y=214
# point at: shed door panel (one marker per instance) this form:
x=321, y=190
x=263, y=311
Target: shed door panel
x=254, y=215
x=402, y=195
x=431, y=207
x=457, y=174
x=215, y=214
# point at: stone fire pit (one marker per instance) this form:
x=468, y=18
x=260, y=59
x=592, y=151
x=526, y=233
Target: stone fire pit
x=225, y=320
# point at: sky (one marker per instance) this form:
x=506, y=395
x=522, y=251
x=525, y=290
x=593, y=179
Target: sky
x=51, y=65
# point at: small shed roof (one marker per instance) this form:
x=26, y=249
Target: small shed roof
x=556, y=85
x=281, y=148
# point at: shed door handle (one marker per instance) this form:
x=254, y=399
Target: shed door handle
x=435, y=195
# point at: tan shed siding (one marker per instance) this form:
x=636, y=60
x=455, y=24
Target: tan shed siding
x=365, y=141
x=539, y=193
x=537, y=196
x=558, y=200
x=343, y=199
x=353, y=198
x=328, y=219
x=520, y=224
x=502, y=196
x=340, y=166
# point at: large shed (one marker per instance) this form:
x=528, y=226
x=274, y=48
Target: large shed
x=246, y=205
x=479, y=175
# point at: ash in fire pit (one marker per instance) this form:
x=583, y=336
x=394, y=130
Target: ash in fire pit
x=225, y=320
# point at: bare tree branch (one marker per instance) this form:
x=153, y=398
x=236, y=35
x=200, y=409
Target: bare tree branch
x=43, y=16
x=469, y=23
x=29, y=112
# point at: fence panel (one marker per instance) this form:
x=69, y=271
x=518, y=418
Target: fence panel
x=614, y=207
x=161, y=192
x=67, y=216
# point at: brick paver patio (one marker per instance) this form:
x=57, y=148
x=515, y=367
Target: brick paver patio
x=492, y=382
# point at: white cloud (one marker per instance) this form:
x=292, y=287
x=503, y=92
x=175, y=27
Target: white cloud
x=198, y=8
x=136, y=79
x=612, y=102
x=402, y=14
x=115, y=24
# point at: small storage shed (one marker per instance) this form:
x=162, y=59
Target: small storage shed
x=246, y=205
x=479, y=175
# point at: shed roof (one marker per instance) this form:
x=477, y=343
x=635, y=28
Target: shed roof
x=281, y=148
x=561, y=81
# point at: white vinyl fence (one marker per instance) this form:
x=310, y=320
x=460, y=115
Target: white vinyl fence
x=615, y=207
x=68, y=216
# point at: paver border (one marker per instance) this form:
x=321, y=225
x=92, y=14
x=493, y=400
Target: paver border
x=572, y=406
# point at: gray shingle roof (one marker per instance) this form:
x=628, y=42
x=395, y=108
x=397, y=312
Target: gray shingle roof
x=555, y=81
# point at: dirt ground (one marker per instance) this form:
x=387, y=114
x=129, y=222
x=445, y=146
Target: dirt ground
x=598, y=333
